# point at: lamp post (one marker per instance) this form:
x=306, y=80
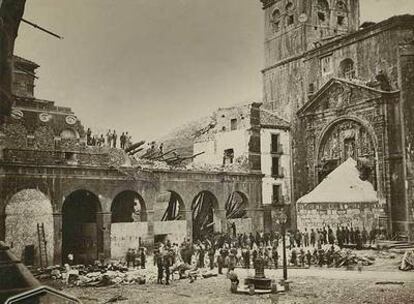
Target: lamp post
x=283, y=220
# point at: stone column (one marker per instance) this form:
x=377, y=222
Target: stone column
x=57, y=239
x=150, y=233
x=103, y=234
x=189, y=220
x=2, y=227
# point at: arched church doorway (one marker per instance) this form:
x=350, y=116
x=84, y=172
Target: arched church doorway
x=347, y=138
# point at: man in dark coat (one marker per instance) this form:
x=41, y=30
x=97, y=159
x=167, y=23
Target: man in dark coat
x=312, y=238
x=211, y=253
x=347, y=235
x=160, y=266
x=275, y=257
x=143, y=257
x=167, y=263
x=331, y=236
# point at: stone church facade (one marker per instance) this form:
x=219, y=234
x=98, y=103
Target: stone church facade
x=347, y=91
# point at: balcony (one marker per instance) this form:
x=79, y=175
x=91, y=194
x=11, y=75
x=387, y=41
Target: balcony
x=55, y=157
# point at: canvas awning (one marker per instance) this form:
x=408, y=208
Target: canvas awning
x=342, y=185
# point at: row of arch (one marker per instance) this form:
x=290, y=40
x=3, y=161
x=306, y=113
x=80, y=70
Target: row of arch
x=82, y=217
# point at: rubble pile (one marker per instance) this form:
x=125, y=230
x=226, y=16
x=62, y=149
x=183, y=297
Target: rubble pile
x=95, y=276
x=407, y=262
x=115, y=274
x=240, y=165
x=347, y=258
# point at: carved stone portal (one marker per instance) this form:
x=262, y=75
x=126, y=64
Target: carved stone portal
x=346, y=139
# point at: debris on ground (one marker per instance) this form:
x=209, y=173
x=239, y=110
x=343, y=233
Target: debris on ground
x=389, y=283
x=407, y=262
x=115, y=274
x=116, y=299
x=96, y=275
x=346, y=257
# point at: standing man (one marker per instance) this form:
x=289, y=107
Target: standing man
x=88, y=137
x=324, y=236
x=167, y=264
x=312, y=237
x=331, y=236
x=122, y=140
x=159, y=262
x=306, y=238
x=275, y=257
x=109, y=138
x=114, y=138
x=143, y=257
x=347, y=235
x=211, y=253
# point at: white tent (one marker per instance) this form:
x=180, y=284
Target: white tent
x=342, y=185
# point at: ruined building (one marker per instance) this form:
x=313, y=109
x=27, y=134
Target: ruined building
x=346, y=90
x=254, y=139
x=96, y=202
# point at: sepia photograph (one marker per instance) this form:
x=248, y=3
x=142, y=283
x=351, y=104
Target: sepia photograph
x=207, y=151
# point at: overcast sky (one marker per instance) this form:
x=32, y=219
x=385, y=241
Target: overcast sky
x=147, y=66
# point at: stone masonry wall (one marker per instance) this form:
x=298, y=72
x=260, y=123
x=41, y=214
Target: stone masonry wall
x=318, y=215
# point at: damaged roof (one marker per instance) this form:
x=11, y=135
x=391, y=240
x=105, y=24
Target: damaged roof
x=22, y=60
x=269, y=119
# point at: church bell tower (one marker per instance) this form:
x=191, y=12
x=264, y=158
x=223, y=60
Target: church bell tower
x=293, y=27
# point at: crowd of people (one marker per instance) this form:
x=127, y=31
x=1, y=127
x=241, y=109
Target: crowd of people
x=304, y=248
x=109, y=140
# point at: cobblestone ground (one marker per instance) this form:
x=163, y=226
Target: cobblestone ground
x=308, y=286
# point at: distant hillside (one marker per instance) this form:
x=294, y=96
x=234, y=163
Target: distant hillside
x=183, y=137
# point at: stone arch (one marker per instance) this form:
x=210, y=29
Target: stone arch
x=18, y=186
x=80, y=229
x=204, y=214
x=80, y=185
x=128, y=206
x=345, y=137
x=24, y=210
x=129, y=225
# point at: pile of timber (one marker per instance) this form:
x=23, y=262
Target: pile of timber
x=171, y=157
x=347, y=258
x=398, y=245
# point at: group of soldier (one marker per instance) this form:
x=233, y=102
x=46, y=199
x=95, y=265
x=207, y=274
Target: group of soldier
x=110, y=139
x=304, y=248
x=341, y=236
